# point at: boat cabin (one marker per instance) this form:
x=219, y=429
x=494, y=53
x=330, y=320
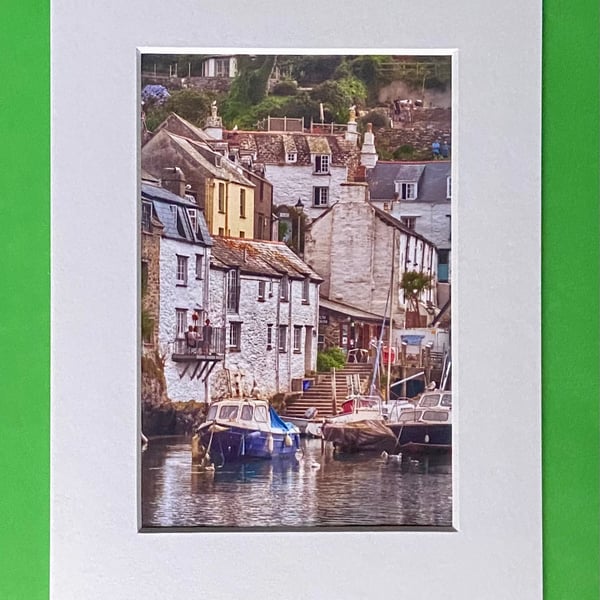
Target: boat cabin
x=437, y=399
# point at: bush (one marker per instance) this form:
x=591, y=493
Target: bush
x=330, y=358
x=285, y=88
x=377, y=118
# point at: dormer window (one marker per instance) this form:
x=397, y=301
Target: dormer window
x=322, y=163
x=218, y=158
x=448, y=188
x=407, y=190
x=291, y=157
x=193, y=215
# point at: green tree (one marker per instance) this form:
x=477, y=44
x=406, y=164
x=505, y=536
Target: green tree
x=413, y=284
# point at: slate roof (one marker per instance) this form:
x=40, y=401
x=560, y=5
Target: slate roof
x=258, y=257
x=431, y=177
x=176, y=222
x=179, y=126
x=394, y=222
x=211, y=162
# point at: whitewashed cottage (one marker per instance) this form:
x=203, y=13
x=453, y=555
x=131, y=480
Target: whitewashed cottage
x=183, y=269
x=267, y=301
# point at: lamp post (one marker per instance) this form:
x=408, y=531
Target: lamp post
x=299, y=206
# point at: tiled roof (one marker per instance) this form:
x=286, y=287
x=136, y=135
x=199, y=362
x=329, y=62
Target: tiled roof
x=431, y=177
x=270, y=148
x=179, y=126
x=272, y=259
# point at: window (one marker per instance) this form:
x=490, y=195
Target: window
x=182, y=270
x=221, y=231
x=269, y=337
x=297, y=338
x=260, y=414
x=306, y=291
x=221, y=67
x=270, y=288
x=242, y=235
x=144, y=277
x=410, y=222
x=407, y=190
x=221, y=197
x=243, y=204
x=262, y=285
x=283, y=338
x=284, y=293
x=320, y=196
x=235, y=333
x=193, y=215
x=228, y=412
x=199, y=263
x=448, y=188
x=291, y=157
x=233, y=291
x=180, y=322
x=146, y=216
x=322, y=163
x=246, y=413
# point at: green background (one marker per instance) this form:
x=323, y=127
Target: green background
x=571, y=311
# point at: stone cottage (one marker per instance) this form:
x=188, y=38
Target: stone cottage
x=267, y=301
x=362, y=252
x=176, y=251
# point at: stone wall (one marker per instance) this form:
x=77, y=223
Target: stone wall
x=258, y=366
x=173, y=296
x=291, y=183
x=151, y=294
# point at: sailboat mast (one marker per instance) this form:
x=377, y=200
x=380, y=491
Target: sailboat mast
x=392, y=279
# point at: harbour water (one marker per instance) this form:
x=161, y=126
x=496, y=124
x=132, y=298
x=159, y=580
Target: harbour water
x=318, y=489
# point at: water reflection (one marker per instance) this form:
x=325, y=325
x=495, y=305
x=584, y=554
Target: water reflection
x=314, y=490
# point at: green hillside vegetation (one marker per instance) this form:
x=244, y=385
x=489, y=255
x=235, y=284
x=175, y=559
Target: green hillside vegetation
x=336, y=82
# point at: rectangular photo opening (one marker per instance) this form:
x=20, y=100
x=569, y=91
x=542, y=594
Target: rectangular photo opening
x=295, y=304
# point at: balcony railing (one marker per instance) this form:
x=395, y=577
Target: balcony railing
x=213, y=347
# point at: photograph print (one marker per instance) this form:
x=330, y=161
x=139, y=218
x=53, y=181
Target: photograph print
x=295, y=297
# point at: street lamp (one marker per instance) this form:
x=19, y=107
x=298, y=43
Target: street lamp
x=299, y=206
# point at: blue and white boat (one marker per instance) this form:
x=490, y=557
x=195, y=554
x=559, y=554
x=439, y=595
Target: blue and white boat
x=247, y=428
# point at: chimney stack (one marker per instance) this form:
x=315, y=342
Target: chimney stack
x=368, y=154
x=173, y=180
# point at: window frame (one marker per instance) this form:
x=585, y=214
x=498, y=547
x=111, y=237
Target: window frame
x=318, y=191
x=147, y=217
x=242, y=203
x=322, y=164
x=181, y=272
x=221, y=198
x=269, y=336
x=181, y=323
x=234, y=336
x=282, y=339
x=402, y=188
x=297, y=339
x=306, y=290
x=284, y=291
x=199, y=266
x=232, y=299
x=262, y=290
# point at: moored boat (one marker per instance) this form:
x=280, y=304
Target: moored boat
x=244, y=429
x=426, y=428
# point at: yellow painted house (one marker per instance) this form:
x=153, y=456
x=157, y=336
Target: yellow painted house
x=217, y=184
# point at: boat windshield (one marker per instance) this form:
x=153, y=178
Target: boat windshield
x=435, y=415
x=246, y=413
x=409, y=415
x=228, y=411
x=260, y=414
x=447, y=400
x=429, y=400
x=212, y=413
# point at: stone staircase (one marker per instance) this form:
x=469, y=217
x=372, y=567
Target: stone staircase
x=320, y=395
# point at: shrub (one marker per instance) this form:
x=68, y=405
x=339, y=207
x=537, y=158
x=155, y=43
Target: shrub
x=330, y=358
x=377, y=118
x=285, y=88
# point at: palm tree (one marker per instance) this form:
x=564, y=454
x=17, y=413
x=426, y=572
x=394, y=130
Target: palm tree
x=413, y=284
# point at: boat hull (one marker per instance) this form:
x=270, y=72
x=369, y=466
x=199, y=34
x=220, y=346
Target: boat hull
x=422, y=437
x=236, y=444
